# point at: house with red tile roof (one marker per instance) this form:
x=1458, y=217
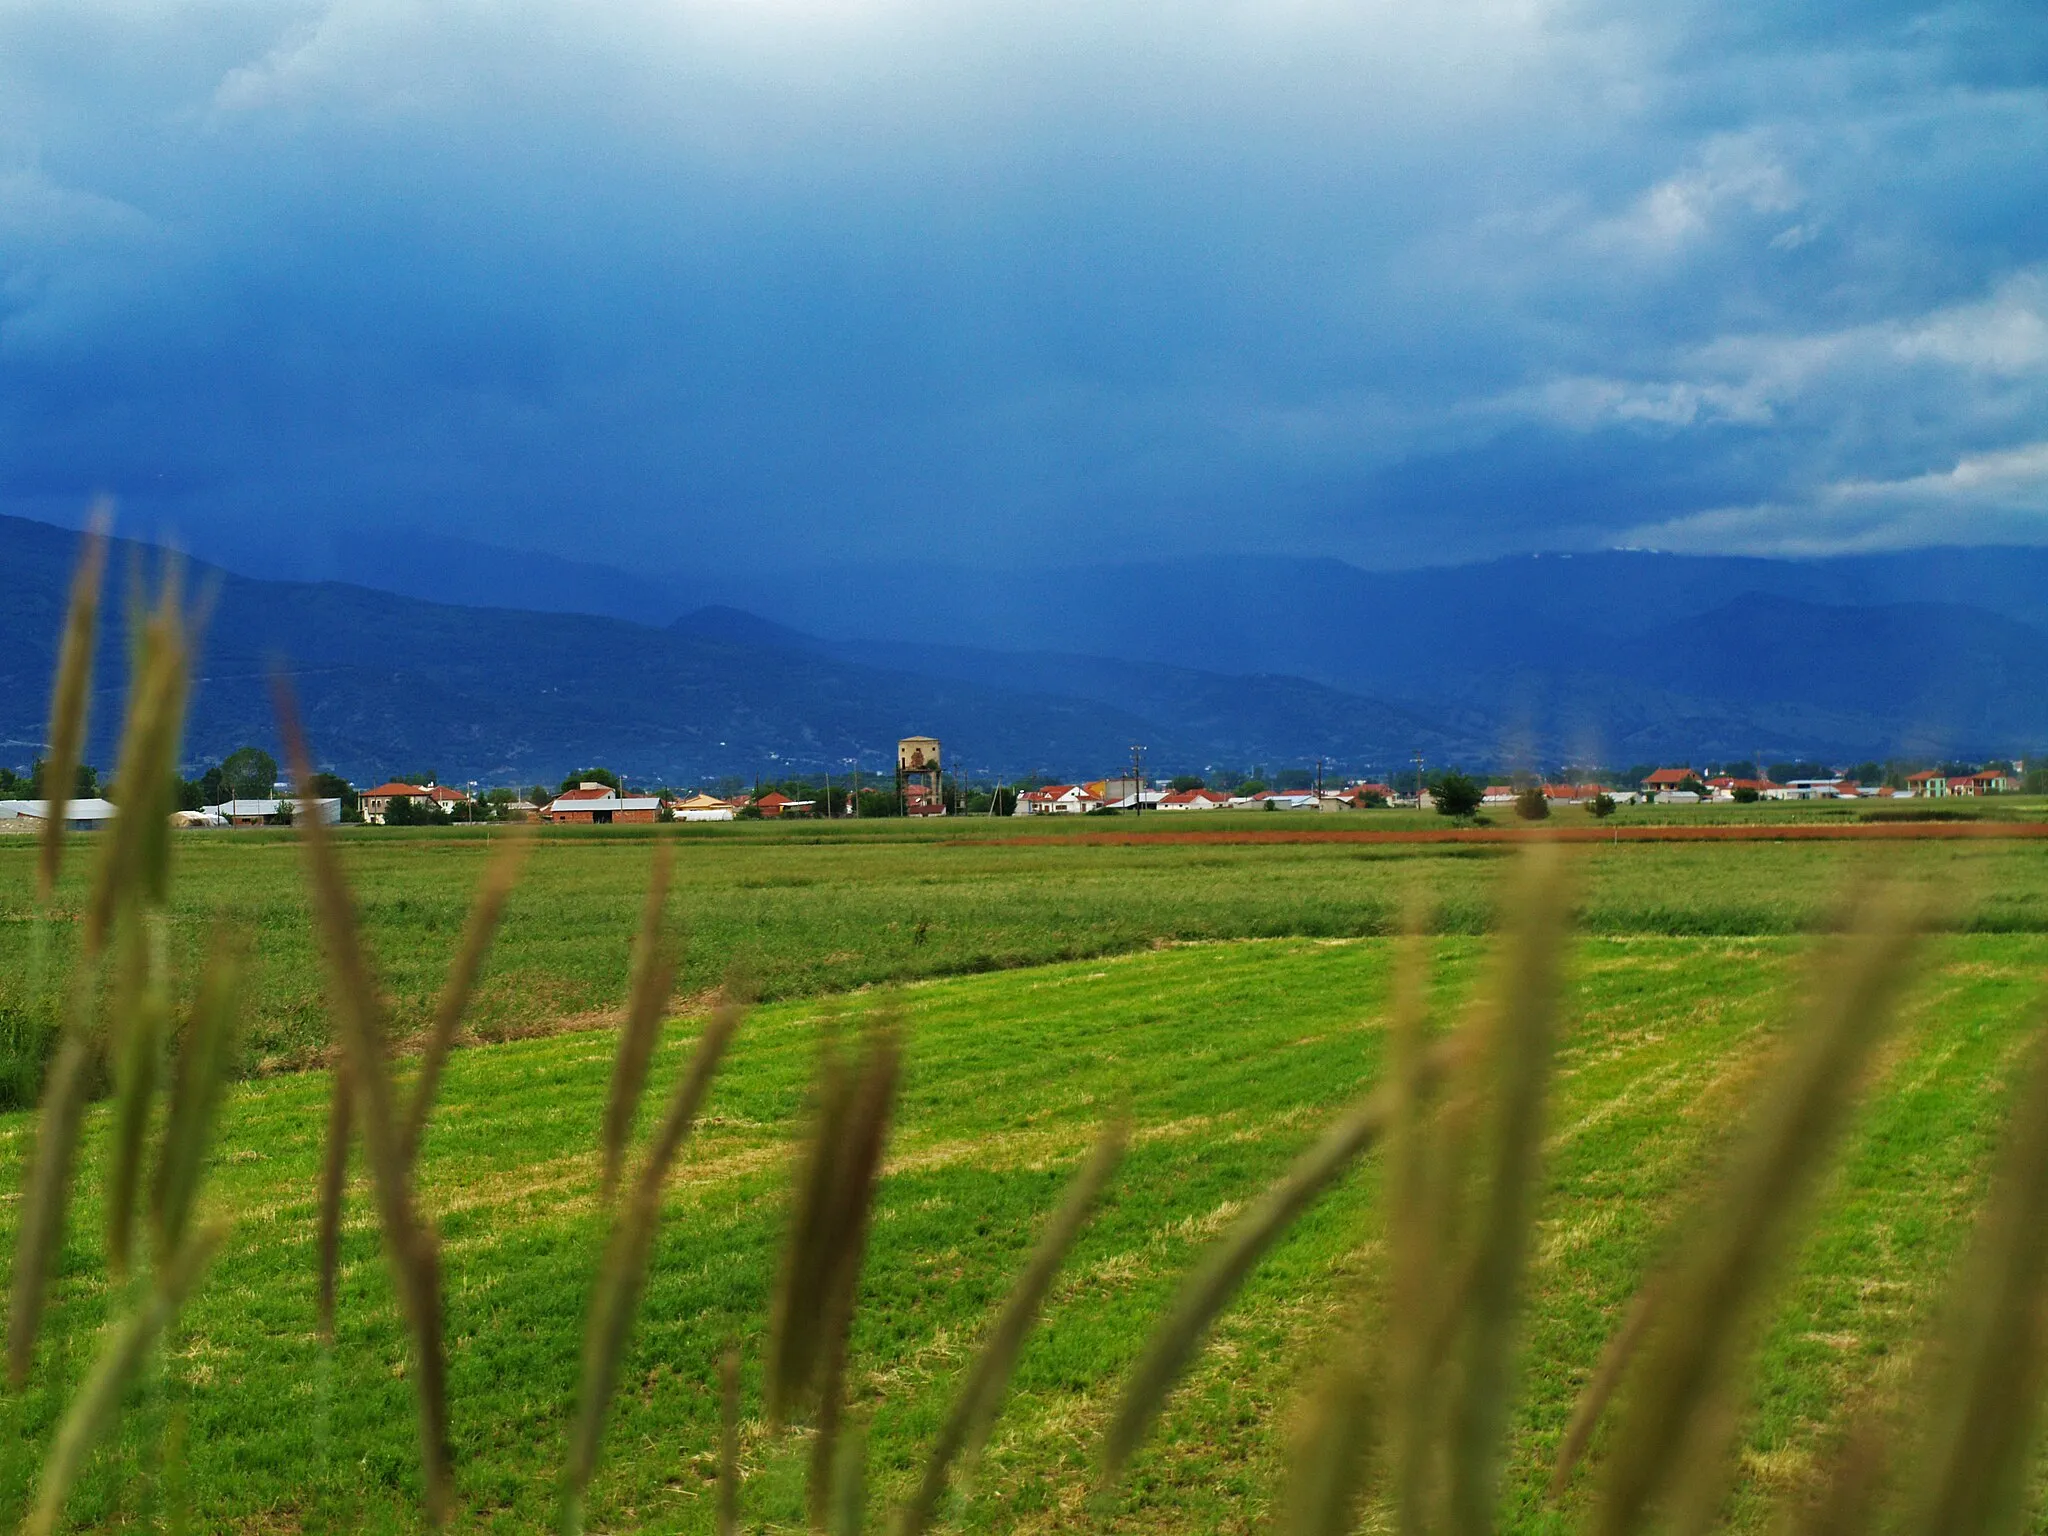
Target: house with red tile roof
x=1194, y=800
x=1057, y=800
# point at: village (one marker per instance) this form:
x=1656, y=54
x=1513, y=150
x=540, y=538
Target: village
x=922, y=786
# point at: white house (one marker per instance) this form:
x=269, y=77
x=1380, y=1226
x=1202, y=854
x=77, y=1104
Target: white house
x=1056, y=800
x=1194, y=800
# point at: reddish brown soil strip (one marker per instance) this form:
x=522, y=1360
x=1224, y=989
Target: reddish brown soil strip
x=1818, y=832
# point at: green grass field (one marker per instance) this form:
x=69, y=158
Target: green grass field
x=1047, y=983
x=807, y=910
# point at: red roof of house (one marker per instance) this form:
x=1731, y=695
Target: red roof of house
x=1922, y=778
x=394, y=788
x=443, y=792
x=585, y=794
x=1670, y=776
x=774, y=797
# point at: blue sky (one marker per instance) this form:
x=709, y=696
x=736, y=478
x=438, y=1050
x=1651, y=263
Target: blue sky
x=686, y=283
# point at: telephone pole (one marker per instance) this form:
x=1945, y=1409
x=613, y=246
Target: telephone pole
x=1137, y=779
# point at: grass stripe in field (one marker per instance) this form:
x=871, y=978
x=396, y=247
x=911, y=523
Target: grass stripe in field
x=809, y=917
x=1229, y=1055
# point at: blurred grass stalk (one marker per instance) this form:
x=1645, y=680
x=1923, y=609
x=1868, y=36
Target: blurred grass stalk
x=372, y=1102
x=820, y=1278
x=125, y=913
x=622, y=1273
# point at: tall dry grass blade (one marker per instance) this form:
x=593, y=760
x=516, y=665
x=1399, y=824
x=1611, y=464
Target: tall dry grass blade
x=1615, y=1358
x=99, y=1399
x=849, y=1502
x=980, y=1396
x=623, y=1271
x=1992, y=1357
x=729, y=1441
x=139, y=1015
x=1847, y=1503
x=69, y=697
x=1326, y=1475
x=1215, y=1280
x=484, y=916
x=1415, y=1303
x=795, y=1317
x=408, y=1241
x=135, y=863
x=196, y=1083
x=654, y=972
x=134, y=881
x=1524, y=1026
x=860, y=1166
x=47, y=1191
x=333, y=1188
x=1698, y=1337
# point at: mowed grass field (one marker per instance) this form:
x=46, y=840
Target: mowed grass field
x=806, y=910
x=1230, y=998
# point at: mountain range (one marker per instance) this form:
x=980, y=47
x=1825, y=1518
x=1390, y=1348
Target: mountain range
x=477, y=662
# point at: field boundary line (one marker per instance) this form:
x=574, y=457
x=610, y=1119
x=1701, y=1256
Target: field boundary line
x=1790, y=832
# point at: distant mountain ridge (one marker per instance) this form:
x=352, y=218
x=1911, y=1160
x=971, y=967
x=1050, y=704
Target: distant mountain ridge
x=1255, y=663
x=391, y=684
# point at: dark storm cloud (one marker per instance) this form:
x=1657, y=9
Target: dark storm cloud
x=733, y=279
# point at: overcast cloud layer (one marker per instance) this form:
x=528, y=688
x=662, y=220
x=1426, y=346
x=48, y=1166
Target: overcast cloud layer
x=684, y=283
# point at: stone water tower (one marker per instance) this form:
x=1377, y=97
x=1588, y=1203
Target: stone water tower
x=919, y=787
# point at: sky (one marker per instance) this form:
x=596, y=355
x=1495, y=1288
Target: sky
x=711, y=283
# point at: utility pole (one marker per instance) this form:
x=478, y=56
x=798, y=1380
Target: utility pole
x=1137, y=779
x=1418, y=781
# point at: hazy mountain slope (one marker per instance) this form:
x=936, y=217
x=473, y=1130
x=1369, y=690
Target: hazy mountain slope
x=392, y=684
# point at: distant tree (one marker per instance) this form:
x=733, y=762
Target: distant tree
x=1295, y=778
x=1180, y=784
x=1747, y=794
x=592, y=776
x=1741, y=770
x=1635, y=776
x=1868, y=773
x=15, y=786
x=250, y=773
x=1691, y=785
x=414, y=811
x=1003, y=802
x=1532, y=804
x=1804, y=768
x=879, y=802
x=1601, y=805
x=1371, y=800
x=1252, y=787
x=1458, y=794
x=86, y=786
x=332, y=786
x=2035, y=782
